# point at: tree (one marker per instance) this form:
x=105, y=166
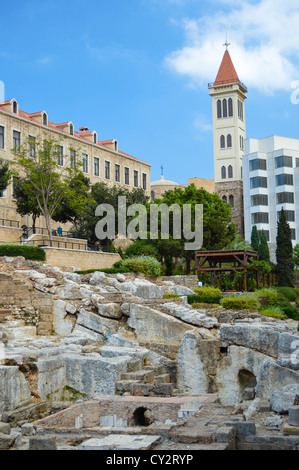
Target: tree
x=263, y=250
x=101, y=193
x=284, y=252
x=47, y=182
x=26, y=201
x=255, y=241
x=68, y=210
x=218, y=229
x=168, y=266
x=5, y=175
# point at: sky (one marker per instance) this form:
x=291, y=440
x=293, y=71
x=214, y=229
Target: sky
x=138, y=70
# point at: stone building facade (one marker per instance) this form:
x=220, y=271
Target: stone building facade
x=102, y=161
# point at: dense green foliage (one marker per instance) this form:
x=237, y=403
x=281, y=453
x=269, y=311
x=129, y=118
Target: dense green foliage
x=101, y=193
x=288, y=292
x=141, y=247
x=33, y=253
x=218, y=229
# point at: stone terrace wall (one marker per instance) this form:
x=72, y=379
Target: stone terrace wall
x=84, y=260
x=187, y=281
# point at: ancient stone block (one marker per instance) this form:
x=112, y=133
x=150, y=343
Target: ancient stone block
x=42, y=443
x=294, y=416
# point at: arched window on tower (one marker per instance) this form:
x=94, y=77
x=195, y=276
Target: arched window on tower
x=222, y=142
x=224, y=198
x=223, y=173
x=230, y=107
x=229, y=141
x=230, y=171
x=224, y=104
x=219, y=113
x=231, y=200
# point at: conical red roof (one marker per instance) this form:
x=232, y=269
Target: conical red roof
x=227, y=72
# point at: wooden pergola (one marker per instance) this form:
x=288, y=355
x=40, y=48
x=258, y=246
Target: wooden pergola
x=226, y=261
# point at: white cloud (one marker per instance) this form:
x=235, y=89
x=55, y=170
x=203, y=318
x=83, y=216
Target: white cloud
x=44, y=60
x=264, y=44
x=200, y=123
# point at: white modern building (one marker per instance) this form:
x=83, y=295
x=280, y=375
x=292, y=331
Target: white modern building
x=270, y=183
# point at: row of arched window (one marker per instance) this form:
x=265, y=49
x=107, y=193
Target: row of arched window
x=224, y=108
x=231, y=200
x=230, y=172
x=226, y=143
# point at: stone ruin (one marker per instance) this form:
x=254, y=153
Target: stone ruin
x=104, y=362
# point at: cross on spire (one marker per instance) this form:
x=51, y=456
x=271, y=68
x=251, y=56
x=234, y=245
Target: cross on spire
x=162, y=170
x=226, y=44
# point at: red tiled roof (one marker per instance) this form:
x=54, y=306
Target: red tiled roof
x=227, y=72
x=57, y=127
x=5, y=102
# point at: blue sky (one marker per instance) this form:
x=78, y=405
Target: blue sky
x=137, y=70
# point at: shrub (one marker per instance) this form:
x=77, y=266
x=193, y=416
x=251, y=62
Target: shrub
x=200, y=306
x=273, y=311
x=240, y=302
x=143, y=264
x=288, y=292
x=271, y=296
x=33, y=253
x=171, y=296
x=118, y=265
x=289, y=311
x=207, y=291
x=204, y=299
x=297, y=301
x=141, y=248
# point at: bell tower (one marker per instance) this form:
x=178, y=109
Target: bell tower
x=229, y=132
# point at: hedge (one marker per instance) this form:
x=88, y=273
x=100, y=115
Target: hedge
x=201, y=306
x=204, y=299
x=170, y=296
x=33, y=253
x=240, y=302
x=207, y=291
